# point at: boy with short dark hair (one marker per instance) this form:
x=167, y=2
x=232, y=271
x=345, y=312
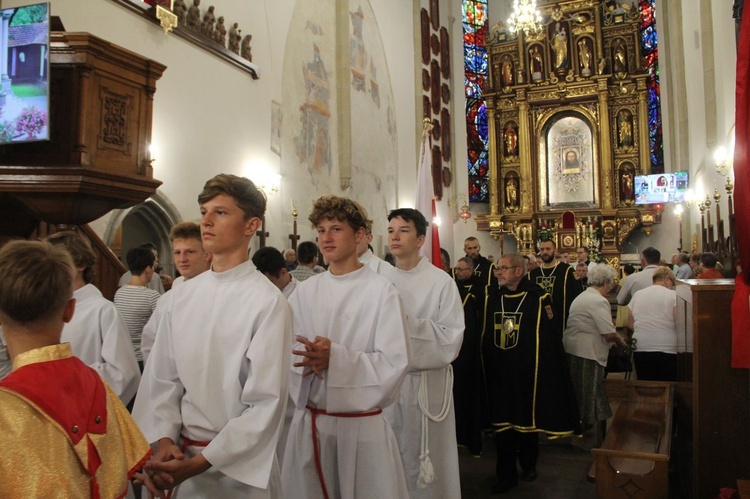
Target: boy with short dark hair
x=135, y=302
x=423, y=418
x=351, y=356
x=214, y=389
x=64, y=431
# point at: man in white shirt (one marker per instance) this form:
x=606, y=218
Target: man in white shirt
x=216, y=381
x=650, y=258
x=191, y=260
x=351, y=356
x=424, y=417
x=97, y=333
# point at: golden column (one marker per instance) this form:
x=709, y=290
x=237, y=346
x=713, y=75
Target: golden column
x=643, y=139
x=609, y=182
x=524, y=153
x=494, y=167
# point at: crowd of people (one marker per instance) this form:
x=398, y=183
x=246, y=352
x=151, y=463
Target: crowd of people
x=277, y=376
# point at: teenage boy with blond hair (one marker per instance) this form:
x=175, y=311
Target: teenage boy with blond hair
x=350, y=359
x=65, y=433
x=191, y=260
x=214, y=390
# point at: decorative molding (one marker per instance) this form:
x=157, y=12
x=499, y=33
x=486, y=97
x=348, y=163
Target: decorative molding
x=196, y=39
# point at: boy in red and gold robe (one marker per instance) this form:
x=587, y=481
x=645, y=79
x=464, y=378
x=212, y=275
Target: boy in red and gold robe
x=65, y=433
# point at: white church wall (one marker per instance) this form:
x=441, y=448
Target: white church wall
x=210, y=117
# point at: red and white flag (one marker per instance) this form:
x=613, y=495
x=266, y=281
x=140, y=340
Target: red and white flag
x=426, y=203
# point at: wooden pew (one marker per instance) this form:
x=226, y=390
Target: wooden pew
x=633, y=460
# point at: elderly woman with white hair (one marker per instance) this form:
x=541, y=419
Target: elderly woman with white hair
x=587, y=339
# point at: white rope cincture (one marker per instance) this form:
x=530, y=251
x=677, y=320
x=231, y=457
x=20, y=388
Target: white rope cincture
x=426, y=470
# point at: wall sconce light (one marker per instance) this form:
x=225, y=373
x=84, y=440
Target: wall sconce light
x=678, y=210
x=723, y=161
x=264, y=179
x=690, y=198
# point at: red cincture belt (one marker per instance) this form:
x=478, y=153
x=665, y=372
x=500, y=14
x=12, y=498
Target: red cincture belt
x=315, y=412
x=186, y=442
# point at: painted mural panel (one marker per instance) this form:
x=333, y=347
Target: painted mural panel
x=312, y=103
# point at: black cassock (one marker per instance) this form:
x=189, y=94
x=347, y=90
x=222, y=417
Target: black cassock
x=467, y=375
x=561, y=284
x=527, y=378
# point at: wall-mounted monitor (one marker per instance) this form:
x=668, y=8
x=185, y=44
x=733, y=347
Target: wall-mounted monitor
x=661, y=188
x=24, y=89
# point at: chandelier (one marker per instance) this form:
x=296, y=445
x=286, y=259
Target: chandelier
x=525, y=17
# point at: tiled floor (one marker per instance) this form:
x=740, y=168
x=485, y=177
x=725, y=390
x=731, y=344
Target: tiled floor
x=562, y=470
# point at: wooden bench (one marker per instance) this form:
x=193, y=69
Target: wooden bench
x=633, y=460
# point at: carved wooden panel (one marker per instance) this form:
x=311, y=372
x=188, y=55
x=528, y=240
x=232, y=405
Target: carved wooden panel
x=426, y=106
x=426, y=80
x=435, y=14
x=437, y=172
x=436, y=130
x=445, y=51
x=445, y=93
x=101, y=107
x=435, y=86
x=445, y=117
x=425, y=32
x=435, y=44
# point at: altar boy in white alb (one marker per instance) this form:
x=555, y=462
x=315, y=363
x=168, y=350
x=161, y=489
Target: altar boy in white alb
x=215, y=386
x=424, y=418
x=351, y=355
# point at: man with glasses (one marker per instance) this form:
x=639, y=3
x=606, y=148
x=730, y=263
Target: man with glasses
x=557, y=279
x=528, y=381
x=467, y=374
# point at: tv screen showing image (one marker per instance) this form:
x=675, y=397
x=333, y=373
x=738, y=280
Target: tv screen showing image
x=661, y=188
x=24, y=91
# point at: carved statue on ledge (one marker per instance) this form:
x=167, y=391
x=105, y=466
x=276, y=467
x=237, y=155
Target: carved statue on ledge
x=511, y=141
x=584, y=55
x=536, y=64
x=620, y=63
x=207, y=27
x=507, y=71
x=194, y=15
x=627, y=187
x=235, y=35
x=220, y=33
x=625, y=129
x=560, y=46
x=511, y=193
x=180, y=10
x=246, y=50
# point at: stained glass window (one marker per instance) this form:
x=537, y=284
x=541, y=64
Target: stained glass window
x=474, y=17
x=650, y=52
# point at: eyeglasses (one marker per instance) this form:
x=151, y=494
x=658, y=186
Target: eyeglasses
x=459, y=269
x=505, y=269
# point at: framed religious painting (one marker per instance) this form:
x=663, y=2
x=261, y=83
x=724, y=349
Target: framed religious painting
x=568, y=167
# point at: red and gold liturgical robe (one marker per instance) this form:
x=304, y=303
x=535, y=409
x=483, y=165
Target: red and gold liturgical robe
x=64, y=432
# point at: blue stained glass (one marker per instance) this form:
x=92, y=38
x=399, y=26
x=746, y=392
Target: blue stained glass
x=475, y=74
x=649, y=49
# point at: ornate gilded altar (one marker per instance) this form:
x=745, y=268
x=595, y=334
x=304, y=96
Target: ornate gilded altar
x=568, y=129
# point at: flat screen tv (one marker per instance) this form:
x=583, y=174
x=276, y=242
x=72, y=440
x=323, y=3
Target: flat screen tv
x=661, y=188
x=24, y=90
